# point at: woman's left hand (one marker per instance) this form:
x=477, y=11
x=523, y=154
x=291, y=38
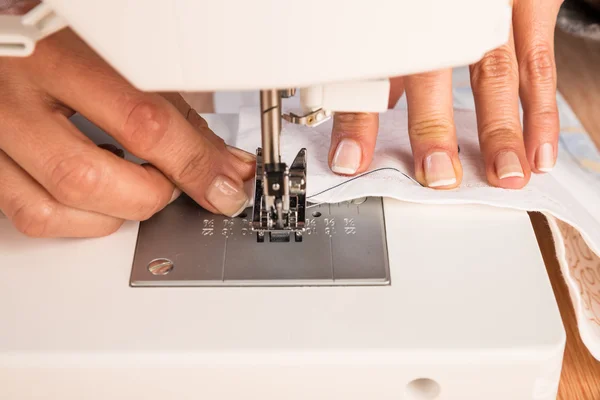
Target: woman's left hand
x=524, y=67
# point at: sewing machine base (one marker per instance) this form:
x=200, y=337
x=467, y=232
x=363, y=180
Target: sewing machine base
x=185, y=245
x=468, y=314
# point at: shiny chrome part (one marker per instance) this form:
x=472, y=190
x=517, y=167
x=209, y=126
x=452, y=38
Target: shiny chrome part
x=313, y=118
x=283, y=214
x=343, y=244
x=270, y=106
x=280, y=193
x=160, y=266
x=273, y=176
x=287, y=93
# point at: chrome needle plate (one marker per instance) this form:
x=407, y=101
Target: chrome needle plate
x=184, y=245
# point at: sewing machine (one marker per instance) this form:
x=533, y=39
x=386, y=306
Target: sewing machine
x=371, y=298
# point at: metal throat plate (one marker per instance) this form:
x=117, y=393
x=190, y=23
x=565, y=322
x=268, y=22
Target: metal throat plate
x=185, y=245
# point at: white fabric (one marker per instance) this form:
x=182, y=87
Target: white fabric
x=570, y=194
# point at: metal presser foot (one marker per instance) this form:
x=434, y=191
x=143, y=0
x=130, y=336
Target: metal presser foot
x=282, y=212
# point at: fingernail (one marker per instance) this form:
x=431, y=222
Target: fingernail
x=508, y=165
x=226, y=196
x=545, y=157
x=241, y=154
x=347, y=157
x=175, y=196
x=439, y=170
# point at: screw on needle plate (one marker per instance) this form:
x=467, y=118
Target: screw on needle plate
x=161, y=266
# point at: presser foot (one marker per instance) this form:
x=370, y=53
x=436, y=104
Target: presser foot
x=279, y=200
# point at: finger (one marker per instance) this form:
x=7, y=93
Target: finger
x=197, y=121
x=396, y=91
x=35, y=213
x=178, y=102
x=431, y=129
x=242, y=161
x=79, y=174
x=196, y=160
x=151, y=128
x=534, y=22
x=495, y=83
x=188, y=112
x=121, y=154
x=354, y=136
x=353, y=141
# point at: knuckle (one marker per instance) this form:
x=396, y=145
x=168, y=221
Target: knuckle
x=74, y=179
x=427, y=81
x=500, y=133
x=543, y=118
x=146, y=125
x=154, y=199
x=538, y=66
x=496, y=65
x=431, y=128
x=33, y=219
x=546, y=113
x=195, y=169
x=150, y=207
x=355, y=124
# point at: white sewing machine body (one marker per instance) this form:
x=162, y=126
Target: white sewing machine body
x=460, y=312
x=458, y=317
x=191, y=45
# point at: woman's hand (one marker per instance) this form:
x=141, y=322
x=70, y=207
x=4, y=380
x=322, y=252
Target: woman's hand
x=54, y=182
x=524, y=68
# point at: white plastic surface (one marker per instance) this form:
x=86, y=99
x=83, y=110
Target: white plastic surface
x=194, y=45
x=16, y=40
x=357, y=96
x=19, y=34
x=463, y=311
